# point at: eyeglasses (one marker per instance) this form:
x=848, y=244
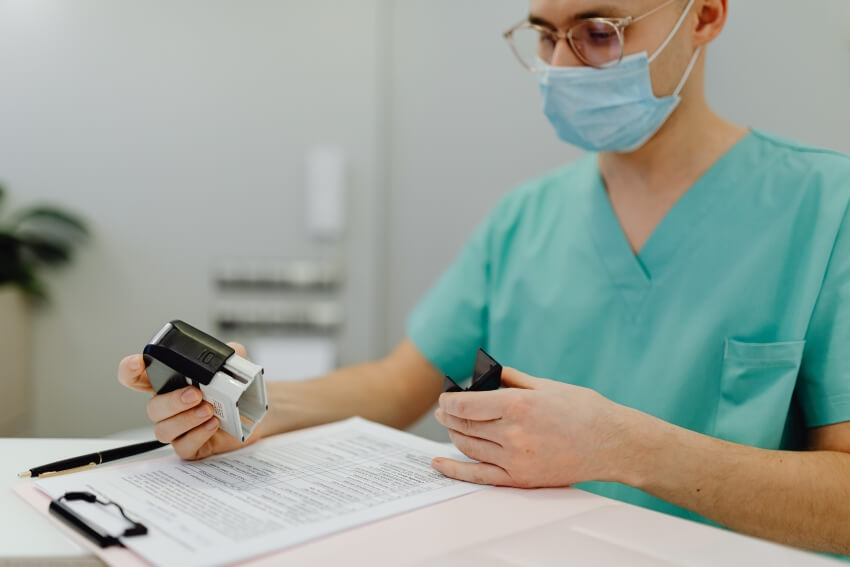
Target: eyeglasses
x=597, y=42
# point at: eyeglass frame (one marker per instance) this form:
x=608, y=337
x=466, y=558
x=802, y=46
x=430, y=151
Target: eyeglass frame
x=619, y=24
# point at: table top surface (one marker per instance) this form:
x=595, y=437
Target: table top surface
x=24, y=533
x=473, y=528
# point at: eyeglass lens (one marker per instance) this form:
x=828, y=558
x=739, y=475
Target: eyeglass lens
x=595, y=42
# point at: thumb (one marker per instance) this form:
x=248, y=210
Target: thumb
x=513, y=378
x=240, y=350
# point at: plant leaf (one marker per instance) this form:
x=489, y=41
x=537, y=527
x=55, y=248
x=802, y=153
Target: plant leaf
x=50, y=216
x=17, y=272
x=10, y=262
x=32, y=285
x=46, y=251
x=41, y=235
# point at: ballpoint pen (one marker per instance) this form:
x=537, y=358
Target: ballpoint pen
x=91, y=460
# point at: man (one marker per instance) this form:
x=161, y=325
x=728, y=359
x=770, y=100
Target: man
x=684, y=291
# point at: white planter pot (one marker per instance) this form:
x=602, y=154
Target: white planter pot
x=14, y=362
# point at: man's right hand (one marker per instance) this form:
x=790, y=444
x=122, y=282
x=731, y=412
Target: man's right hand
x=182, y=417
x=396, y=391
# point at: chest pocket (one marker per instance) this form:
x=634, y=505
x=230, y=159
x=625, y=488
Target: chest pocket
x=756, y=387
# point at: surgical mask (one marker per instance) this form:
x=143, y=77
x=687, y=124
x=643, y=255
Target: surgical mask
x=612, y=109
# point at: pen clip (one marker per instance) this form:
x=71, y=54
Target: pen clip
x=66, y=471
x=97, y=458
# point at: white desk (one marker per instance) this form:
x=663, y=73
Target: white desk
x=26, y=537
x=502, y=527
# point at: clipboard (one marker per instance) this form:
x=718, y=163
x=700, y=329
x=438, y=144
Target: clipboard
x=102, y=538
x=320, y=551
x=111, y=555
x=456, y=528
x=406, y=540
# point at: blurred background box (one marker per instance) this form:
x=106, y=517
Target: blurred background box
x=14, y=362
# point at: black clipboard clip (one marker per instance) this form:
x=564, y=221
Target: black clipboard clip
x=67, y=515
x=486, y=376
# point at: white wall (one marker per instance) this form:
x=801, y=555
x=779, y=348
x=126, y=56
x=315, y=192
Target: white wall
x=178, y=128
x=784, y=66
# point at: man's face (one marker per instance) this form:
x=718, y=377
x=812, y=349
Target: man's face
x=645, y=35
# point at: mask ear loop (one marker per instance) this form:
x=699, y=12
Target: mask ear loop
x=687, y=74
x=673, y=33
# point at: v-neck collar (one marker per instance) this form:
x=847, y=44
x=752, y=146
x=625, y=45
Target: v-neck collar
x=634, y=274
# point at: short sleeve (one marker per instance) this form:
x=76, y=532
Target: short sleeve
x=823, y=388
x=449, y=324
x=452, y=321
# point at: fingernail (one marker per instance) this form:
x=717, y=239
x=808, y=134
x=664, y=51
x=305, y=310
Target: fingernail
x=190, y=395
x=211, y=424
x=133, y=363
x=202, y=410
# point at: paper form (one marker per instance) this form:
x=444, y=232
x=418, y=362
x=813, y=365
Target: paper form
x=276, y=493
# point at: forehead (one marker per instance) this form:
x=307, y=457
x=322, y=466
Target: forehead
x=564, y=11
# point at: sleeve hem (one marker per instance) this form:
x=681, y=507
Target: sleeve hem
x=835, y=410
x=419, y=340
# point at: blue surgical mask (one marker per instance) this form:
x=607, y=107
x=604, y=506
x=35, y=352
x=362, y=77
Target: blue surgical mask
x=612, y=109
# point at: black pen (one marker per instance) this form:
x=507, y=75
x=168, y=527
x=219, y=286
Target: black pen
x=91, y=460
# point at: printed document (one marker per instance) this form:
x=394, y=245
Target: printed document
x=276, y=493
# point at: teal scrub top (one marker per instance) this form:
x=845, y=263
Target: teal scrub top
x=733, y=320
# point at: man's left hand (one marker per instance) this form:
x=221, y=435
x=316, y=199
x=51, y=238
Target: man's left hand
x=536, y=433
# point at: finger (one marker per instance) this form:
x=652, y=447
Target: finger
x=479, y=473
x=513, y=378
x=197, y=443
x=483, y=429
x=167, y=430
x=240, y=350
x=163, y=406
x=475, y=448
x=132, y=374
x=478, y=406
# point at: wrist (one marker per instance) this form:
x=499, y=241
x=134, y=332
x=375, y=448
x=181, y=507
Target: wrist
x=275, y=421
x=644, y=442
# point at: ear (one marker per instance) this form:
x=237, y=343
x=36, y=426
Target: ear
x=711, y=18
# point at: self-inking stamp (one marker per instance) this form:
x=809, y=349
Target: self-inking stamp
x=486, y=376
x=180, y=355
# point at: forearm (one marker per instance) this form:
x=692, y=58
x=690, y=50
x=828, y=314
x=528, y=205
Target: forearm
x=797, y=498
x=395, y=391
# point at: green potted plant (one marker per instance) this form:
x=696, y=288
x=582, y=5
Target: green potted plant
x=30, y=240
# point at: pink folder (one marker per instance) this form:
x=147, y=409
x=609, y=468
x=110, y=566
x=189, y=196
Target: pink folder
x=510, y=527
x=407, y=539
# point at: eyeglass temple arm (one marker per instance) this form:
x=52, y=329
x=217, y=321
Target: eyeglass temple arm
x=654, y=10
x=524, y=23
x=563, y=35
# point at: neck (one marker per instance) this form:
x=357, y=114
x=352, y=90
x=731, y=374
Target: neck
x=691, y=140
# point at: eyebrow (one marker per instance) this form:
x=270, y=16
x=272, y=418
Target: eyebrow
x=538, y=21
x=605, y=11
